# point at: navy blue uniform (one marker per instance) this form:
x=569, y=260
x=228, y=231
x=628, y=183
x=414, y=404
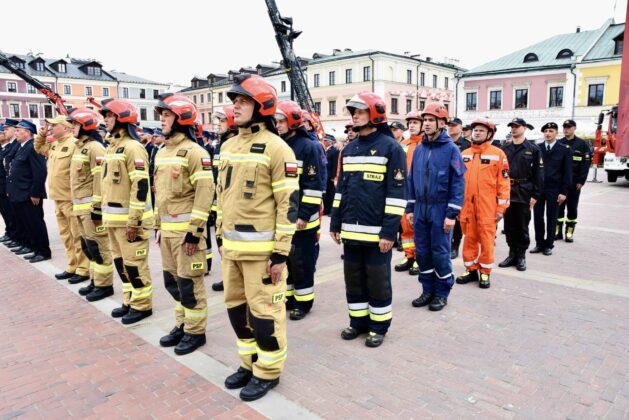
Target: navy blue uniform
x=369, y=201
x=26, y=179
x=332, y=156
x=581, y=161
x=557, y=180
x=436, y=187
x=527, y=180
x=5, y=205
x=302, y=257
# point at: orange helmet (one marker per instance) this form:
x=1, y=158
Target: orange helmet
x=181, y=106
x=258, y=89
x=228, y=113
x=198, y=130
x=125, y=111
x=437, y=110
x=88, y=118
x=292, y=112
x=414, y=115
x=372, y=102
x=487, y=123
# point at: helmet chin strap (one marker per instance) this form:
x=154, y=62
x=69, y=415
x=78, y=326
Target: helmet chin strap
x=357, y=128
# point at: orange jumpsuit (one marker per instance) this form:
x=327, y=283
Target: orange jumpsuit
x=487, y=192
x=408, y=236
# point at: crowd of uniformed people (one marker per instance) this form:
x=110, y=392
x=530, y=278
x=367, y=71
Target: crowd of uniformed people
x=265, y=185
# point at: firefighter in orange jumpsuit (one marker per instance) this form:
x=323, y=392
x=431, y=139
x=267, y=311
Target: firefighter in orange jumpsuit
x=409, y=263
x=487, y=192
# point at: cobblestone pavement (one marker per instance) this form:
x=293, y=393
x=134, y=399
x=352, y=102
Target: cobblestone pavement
x=552, y=342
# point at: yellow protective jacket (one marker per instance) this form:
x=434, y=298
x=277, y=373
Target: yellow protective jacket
x=258, y=195
x=184, y=187
x=85, y=176
x=125, y=184
x=59, y=154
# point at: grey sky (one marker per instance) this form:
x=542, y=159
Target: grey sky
x=164, y=41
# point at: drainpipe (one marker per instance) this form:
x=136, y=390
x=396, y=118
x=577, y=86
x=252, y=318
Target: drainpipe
x=417, y=93
x=373, y=74
x=457, y=76
x=574, y=89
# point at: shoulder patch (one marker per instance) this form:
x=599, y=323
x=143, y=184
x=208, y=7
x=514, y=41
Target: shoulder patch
x=466, y=158
x=84, y=151
x=120, y=150
x=528, y=152
x=64, y=149
x=312, y=171
x=139, y=164
x=257, y=148
x=99, y=160
x=291, y=169
x=373, y=152
x=206, y=164
x=182, y=153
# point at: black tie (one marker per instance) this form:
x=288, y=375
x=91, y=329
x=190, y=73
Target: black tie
x=548, y=148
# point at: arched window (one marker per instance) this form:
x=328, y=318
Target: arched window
x=530, y=57
x=565, y=53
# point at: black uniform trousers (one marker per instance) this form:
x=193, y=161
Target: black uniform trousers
x=301, y=269
x=547, y=203
x=368, y=287
x=457, y=234
x=329, y=197
x=571, y=204
x=7, y=215
x=31, y=219
x=516, y=223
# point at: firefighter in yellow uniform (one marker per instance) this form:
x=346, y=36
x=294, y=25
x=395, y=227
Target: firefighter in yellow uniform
x=184, y=187
x=127, y=210
x=59, y=153
x=85, y=178
x=257, y=211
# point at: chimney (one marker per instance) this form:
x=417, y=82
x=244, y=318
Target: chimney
x=336, y=51
x=429, y=59
x=578, y=29
x=348, y=50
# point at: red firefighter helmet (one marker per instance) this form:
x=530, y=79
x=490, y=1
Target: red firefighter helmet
x=258, y=89
x=198, y=130
x=372, y=102
x=125, y=111
x=181, y=106
x=88, y=118
x=437, y=110
x=228, y=113
x=487, y=123
x=414, y=115
x=292, y=112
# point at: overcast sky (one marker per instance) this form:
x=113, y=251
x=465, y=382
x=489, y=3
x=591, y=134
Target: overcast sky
x=171, y=41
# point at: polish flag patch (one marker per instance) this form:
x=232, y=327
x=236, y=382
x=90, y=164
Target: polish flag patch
x=291, y=169
x=138, y=162
x=99, y=160
x=206, y=161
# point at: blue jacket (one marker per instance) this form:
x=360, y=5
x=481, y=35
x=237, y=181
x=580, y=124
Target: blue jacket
x=322, y=157
x=27, y=174
x=310, y=175
x=437, y=176
x=371, y=195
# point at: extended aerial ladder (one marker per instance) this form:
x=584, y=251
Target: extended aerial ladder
x=285, y=35
x=53, y=97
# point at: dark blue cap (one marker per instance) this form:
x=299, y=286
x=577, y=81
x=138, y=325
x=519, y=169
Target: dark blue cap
x=398, y=125
x=520, y=121
x=28, y=125
x=455, y=121
x=569, y=123
x=11, y=123
x=158, y=132
x=146, y=130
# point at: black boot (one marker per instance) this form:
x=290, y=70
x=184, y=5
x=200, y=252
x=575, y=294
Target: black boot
x=520, y=264
x=423, y=300
x=84, y=291
x=64, y=275
x=438, y=303
x=569, y=234
x=297, y=314
x=454, y=252
x=510, y=261
x=100, y=293
x=414, y=270
x=374, y=340
x=350, y=333
x=173, y=338
x=218, y=286
x=257, y=388
x=22, y=251
x=467, y=277
x=559, y=231
x=483, y=282
x=537, y=250
x=238, y=379
x=405, y=265
x=120, y=312
x=134, y=316
x=189, y=343
x=78, y=279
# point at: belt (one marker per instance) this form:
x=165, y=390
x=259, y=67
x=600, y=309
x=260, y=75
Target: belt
x=516, y=181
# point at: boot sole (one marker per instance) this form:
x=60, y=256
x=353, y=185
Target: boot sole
x=126, y=322
x=184, y=352
x=257, y=397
